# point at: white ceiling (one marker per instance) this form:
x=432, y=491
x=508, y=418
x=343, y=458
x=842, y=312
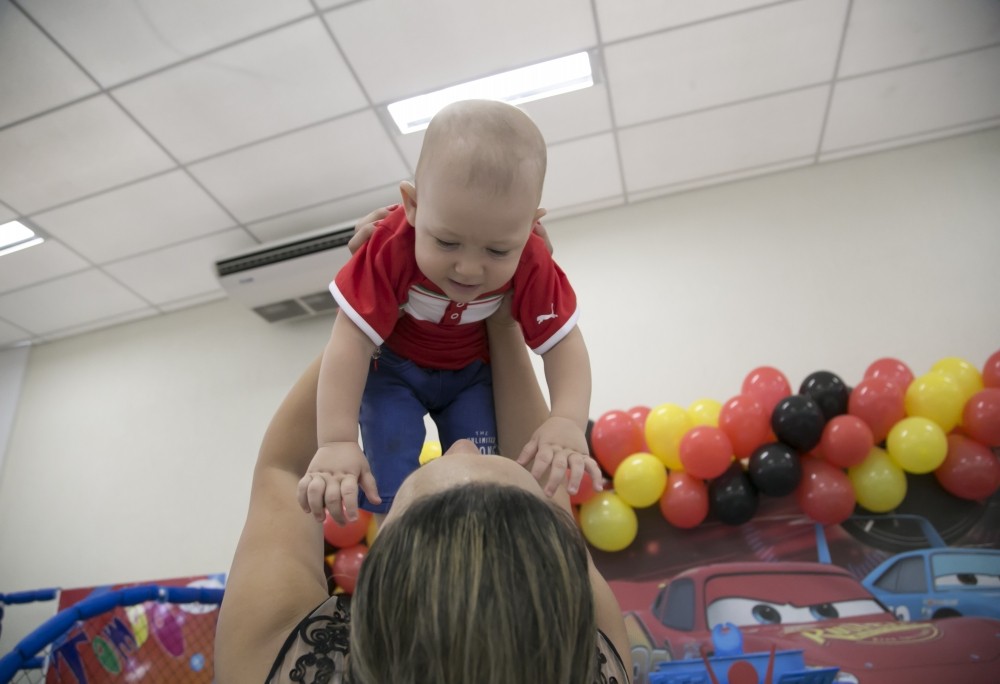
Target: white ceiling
x=145, y=139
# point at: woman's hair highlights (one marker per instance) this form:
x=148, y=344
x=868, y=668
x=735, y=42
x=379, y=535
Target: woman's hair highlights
x=482, y=583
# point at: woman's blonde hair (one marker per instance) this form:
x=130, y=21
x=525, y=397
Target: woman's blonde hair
x=484, y=584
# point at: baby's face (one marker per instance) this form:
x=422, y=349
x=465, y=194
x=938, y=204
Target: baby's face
x=469, y=242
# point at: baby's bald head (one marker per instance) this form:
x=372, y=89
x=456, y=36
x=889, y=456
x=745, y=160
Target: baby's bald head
x=484, y=145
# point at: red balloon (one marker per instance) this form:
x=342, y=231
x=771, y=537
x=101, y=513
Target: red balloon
x=846, y=441
x=893, y=370
x=981, y=416
x=684, y=503
x=350, y=534
x=639, y=415
x=878, y=402
x=769, y=385
x=825, y=493
x=346, y=566
x=615, y=437
x=746, y=423
x=705, y=452
x=586, y=490
x=970, y=470
x=991, y=371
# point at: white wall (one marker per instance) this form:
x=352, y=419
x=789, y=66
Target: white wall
x=132, y=448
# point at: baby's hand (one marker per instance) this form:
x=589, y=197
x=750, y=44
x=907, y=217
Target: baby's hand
x=557, y=445
x=332, y=481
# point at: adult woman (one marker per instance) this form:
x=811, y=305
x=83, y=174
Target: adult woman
x=465, y=616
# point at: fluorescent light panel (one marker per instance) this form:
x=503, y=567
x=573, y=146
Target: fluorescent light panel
x=534, y=82
x=15, y=236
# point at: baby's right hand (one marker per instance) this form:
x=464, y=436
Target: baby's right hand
x=332, y=481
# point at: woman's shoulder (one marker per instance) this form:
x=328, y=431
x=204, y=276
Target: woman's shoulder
x=317, y=648
x=610, y=668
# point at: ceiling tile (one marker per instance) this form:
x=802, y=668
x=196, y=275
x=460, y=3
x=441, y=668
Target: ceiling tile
x=458, y=41
x=324, y=215
x=758, y=133
x=780, y=48
x=887, y=33
x=116, y=41
x=912, y=100
x=572, y=115
x=68, y=302
x=99, y=324
x=72, y=152
x=34, y=74
x=312, y=166
x=11, y=335
x=50, y=259
x=6, y=214
x=256, y=89
x=625, y=19
x=182, y=271
x=153, y=213
x=581, y=171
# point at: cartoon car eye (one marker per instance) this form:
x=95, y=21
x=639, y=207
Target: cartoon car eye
x=967, y=579
x=766, y=614
x=824, y=611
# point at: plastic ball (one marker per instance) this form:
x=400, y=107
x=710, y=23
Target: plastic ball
x=964, y=373
x=846, y=441
x=347, y=565
x=706, y=452
x=825, y=493
x=704, y=412
x=917, y=445
x=936, y=396
x=684, y=503
x=768, y=385
x=640, y=480
x=607, y=522
x=429, y=451
x=585, y=491
x=878, y=402
x=981, y=416
x=879, y=484
x=639, y=414
x=615, y=437
x=746, y=422
x=372, y=531
x=970, y=470
x=350, y=534
x=665, y=426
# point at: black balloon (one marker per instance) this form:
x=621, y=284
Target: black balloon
x=827, y=390
x=732, y=496
x=775, y=469
x=798, y=422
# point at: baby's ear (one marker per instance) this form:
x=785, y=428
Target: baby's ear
x=408, y=192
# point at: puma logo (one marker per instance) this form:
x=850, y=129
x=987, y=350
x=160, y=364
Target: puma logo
x=547, y=317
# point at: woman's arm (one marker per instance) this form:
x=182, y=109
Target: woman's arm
x=277, y=573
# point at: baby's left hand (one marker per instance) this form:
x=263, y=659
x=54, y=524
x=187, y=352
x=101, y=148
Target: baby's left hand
x=559, y=444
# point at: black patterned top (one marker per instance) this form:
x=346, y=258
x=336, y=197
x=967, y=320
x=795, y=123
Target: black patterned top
x=316, y=650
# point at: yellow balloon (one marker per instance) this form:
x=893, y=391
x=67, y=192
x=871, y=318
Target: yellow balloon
x=705, y=412
x=879, y=484
x=607, y=522
x=968, y=377
x=917, y=445
x=665, y=425
x=640, y=480
x=429, y=452
x=936, y=396
x=372, y=531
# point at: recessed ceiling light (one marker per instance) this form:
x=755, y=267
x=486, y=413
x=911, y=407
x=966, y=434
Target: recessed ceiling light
x=15, y=236
x=534, y=82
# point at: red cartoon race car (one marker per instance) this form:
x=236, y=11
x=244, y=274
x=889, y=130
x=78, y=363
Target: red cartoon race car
x=816, y=607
